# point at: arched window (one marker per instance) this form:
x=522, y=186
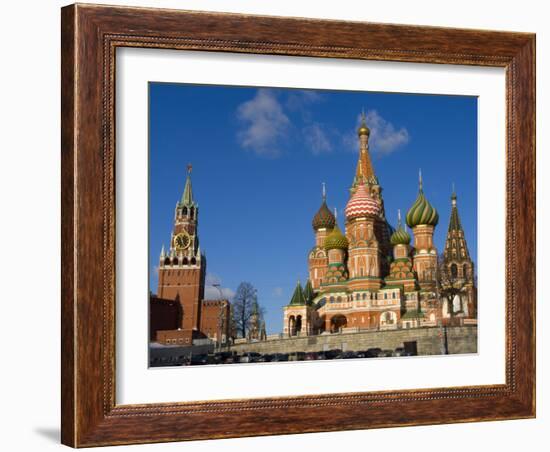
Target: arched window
x=175, y=261
x=339, y=299
x=193, y=261
x=184, y=211
x=331, y=299
x=364, y=296
x=388, y=318
x=454, y=270
x=185, y=261
x=298, y=323
x=192, y=212
x=167, y=261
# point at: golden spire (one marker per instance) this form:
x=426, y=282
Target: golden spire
x=364, y=172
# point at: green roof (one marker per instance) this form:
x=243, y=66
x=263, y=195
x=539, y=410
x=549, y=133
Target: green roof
x=298, y=298
x=309, y=294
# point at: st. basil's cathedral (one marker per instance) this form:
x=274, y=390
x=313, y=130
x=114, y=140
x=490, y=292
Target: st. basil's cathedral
x=370, y=277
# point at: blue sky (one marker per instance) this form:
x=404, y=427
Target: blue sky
x=259, y=156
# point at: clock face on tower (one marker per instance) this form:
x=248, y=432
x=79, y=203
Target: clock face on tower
x=182, y=241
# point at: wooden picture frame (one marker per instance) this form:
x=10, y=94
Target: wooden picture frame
x=90, y=36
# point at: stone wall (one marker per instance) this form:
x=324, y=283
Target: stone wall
x=429, y=341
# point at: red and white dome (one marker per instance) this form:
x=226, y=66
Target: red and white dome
x=361, y=204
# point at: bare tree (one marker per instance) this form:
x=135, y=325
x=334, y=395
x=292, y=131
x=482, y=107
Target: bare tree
x=244, y=308
x=449, y=284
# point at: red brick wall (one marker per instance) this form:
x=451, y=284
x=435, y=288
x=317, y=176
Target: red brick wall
x=163, y=315
x=210, y=315
x=186, y=284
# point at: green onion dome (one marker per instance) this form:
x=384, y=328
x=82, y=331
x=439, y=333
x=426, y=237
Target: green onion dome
x=324, y=218
x=336, y=240
x=422, y=212
x=400, y=237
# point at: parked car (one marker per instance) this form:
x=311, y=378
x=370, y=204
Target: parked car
x=250, y=357
x=222, y=357
x=385, y=354
x=349, y=355
x=297, y=356
x=330, y=354
x=278, y=357
x=198, y=359
x=373, y=352
x=311, y=356
x=400, y=351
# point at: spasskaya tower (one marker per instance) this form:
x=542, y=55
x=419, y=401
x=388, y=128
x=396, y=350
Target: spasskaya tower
x=182, y=268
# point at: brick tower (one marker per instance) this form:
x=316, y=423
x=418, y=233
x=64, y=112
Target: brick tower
x=182, y=269
x=422, y=218
x=323, y=224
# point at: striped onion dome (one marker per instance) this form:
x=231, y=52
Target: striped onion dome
x=324, y=218
x=422, y=212
x=336, y=240
x=362, y=204
x=400, y=237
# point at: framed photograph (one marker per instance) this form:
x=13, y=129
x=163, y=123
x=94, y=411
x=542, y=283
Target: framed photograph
x=265, y=220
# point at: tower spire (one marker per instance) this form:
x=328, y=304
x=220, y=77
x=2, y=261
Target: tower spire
x=420, y=188
x=187, y=197
x=324, y=192
x=453, y=196
x=364, y=172
x=456, y=249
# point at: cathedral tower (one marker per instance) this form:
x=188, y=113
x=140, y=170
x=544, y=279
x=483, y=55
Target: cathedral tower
x=364, y=261
x=323, y=223
x=457, y=258
x=182, y=269
x=422, y=218
x=364, y=175
x=401, y=269
x=336, y=246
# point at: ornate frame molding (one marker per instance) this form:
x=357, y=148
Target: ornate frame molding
x=90, y=37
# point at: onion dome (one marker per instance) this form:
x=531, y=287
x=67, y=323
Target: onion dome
x=362, y=204
x=400, y=235
x=422, y=212
x=324, y=217
x=363, y=129
x=336, y=240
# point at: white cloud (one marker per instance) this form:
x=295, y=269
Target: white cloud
x=300, y=99
x=212, y=292
x=265, y=123
x=316, y=139
x=384, y=136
